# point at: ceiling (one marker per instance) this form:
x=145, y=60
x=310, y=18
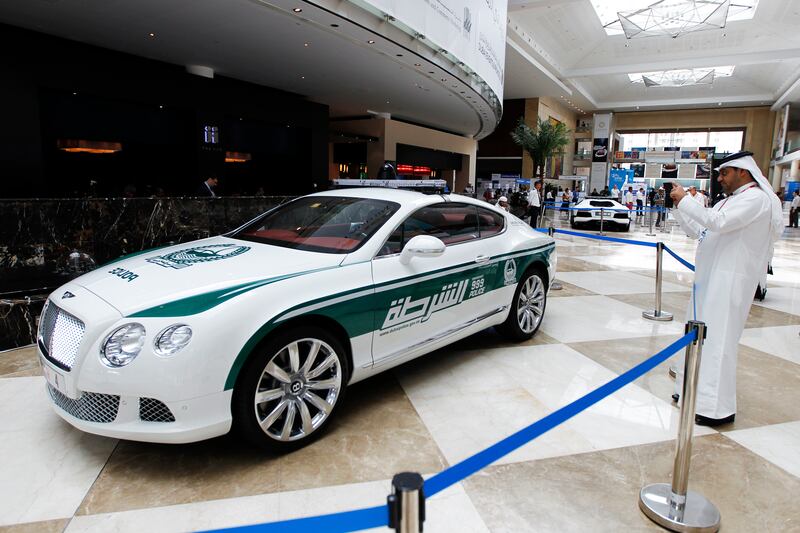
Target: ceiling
x=315, y=52
x=568, y=42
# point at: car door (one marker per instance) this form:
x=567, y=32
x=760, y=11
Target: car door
x=431, y=298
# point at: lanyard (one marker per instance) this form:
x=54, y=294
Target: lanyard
x=732, y=195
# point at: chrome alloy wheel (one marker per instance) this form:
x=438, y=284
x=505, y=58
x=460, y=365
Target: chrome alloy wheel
x=530, y=304
x=298, y=389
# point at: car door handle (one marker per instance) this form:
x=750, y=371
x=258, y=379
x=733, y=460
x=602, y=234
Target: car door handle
x=482, y=259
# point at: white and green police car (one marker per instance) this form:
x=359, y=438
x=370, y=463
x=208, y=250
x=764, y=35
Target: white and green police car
x=263, y=329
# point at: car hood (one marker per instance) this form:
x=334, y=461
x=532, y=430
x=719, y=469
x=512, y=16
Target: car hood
x=191, y=277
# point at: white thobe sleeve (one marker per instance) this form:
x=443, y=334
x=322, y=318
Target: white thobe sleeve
x=689, y=226
x=734, y=216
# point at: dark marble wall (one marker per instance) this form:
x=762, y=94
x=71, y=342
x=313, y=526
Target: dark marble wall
x=46, y=242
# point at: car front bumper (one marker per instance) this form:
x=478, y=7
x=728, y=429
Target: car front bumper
x=191, y=420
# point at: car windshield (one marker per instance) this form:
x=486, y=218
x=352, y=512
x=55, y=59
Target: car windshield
x=330, y=224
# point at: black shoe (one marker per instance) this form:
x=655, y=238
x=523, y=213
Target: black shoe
x=701, y=420
x=676, y=397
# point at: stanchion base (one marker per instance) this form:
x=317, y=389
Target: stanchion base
x=699, y=514
x=650, y=234
x=556, y=286
x=662, y=316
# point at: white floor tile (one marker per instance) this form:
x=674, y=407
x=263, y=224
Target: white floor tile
x=614, y=282
x=47, y=466
x=595, y=318
x=781, y=341
x=778, y=444
x=786, y=299
x=448, y=511
x=523, y=385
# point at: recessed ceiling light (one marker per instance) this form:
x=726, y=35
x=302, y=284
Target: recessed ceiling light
x=297, y=10
x=371, y=41
x=719, y=103
x=75, y=94
x=306, y=44
x=152, y=34
x=161, y=107
x=387, y=101
x=302, y=77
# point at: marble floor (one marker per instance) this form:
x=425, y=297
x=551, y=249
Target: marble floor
x=433, y=412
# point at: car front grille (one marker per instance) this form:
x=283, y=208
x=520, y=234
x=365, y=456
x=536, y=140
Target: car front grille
x=90, y=406
x=60, y=335
x=152, y=410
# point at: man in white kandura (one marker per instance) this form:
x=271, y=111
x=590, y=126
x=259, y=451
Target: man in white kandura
x=736, y=237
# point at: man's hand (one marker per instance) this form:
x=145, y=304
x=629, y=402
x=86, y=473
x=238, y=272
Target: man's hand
x=677, y=193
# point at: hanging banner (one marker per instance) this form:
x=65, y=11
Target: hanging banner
x=474, y=31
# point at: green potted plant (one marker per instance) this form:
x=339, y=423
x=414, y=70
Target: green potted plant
x=542, y=141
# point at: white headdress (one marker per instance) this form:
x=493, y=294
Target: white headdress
x=747, y=162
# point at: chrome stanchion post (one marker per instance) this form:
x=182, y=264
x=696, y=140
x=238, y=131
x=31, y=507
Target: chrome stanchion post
x=657, y=313
x=554, y=285
x=674, y=506
x=602, y=217
x=407, y=503
x=650, y=233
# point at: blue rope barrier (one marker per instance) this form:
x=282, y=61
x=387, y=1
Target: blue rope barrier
x=378, y=516
x=680, y=259
x=604, y=238
x=330, y=523
x=469, y=466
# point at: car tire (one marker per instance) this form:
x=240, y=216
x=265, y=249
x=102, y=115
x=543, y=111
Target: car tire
x=290, y=388
x=527, y=307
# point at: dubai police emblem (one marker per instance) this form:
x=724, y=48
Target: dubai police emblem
x=201, y=254
x=510, y=271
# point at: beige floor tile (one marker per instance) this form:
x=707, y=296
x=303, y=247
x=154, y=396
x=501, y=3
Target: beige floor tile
x=599, y=491
x=376, y=435
x=48, y=526
x=575, y=264
x=21, y=362
x=568, y=289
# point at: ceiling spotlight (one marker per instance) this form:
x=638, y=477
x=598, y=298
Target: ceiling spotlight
x=305, y=44
x=152, y=34
x=161, y=107
x=370, y=42
x=719, y=103
x=387, y=101
x=297, y=10
x=637, y=107
x=75, y=94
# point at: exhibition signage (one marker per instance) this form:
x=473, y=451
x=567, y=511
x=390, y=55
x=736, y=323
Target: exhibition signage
x=474, y=31
x=600, y=146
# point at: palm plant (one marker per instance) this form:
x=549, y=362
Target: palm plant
x=542, y=141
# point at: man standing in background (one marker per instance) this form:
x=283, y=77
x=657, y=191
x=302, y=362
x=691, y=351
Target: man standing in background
x=535, y=203
x=794, y=210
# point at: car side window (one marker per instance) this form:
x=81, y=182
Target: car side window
x=452, y=223
x=489, y=222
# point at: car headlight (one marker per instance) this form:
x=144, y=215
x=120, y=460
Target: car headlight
x=173, y=339
x=123, y=345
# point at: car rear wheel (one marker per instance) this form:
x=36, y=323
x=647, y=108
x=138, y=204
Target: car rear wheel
x=291, y=389
x=527, y=307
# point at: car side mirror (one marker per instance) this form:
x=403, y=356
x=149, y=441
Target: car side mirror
x=421, y=246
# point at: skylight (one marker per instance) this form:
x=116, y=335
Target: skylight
x=681, y=77
x=608, y=10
